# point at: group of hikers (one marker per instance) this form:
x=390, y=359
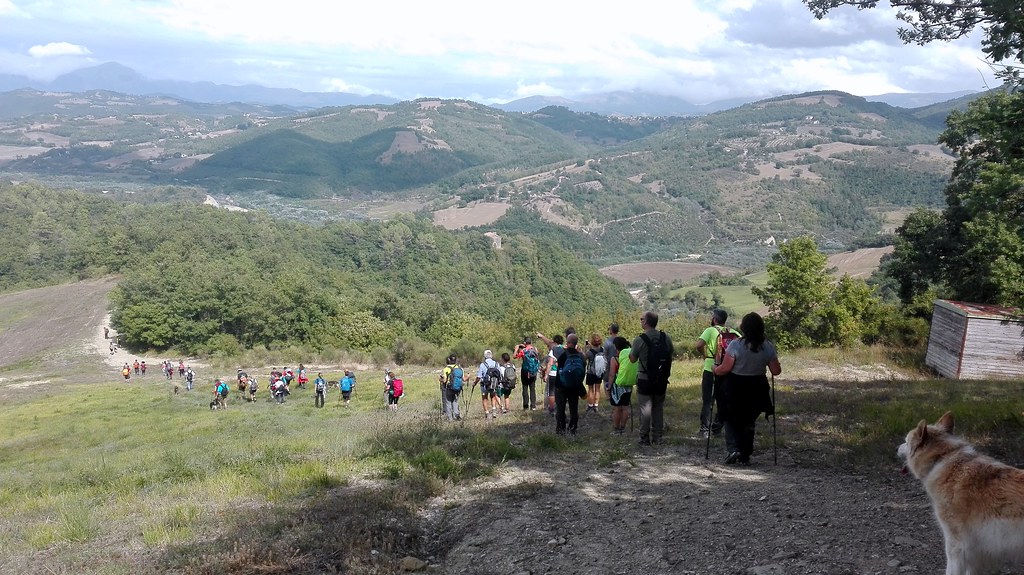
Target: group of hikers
x=166, y=367
x=734, y=378
x=280, y=383
x=734, y=385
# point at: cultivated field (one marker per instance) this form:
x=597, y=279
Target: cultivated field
x=476, y=214
x=859, y=263
x=661, y=272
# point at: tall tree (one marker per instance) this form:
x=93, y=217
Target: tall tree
x=977, y=249
x=798, y=289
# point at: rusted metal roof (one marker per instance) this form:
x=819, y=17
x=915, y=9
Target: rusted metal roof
x=981, y=310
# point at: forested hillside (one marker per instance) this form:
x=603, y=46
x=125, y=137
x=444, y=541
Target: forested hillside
x=202, y=279
x=720, y=187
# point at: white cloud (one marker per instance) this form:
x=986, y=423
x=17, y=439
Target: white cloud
x=58, y=49
x=7, y=8
x=697, y=49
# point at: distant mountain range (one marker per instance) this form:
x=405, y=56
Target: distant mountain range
x=115, y=77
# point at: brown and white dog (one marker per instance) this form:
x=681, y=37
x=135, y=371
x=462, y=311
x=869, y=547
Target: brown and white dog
x=978, y=501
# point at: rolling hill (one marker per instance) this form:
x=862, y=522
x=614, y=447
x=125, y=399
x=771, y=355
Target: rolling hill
x=721, y=188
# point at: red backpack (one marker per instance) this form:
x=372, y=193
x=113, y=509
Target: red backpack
x=396, y=387
x=725, y=337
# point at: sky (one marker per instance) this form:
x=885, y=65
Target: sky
x=698, y=50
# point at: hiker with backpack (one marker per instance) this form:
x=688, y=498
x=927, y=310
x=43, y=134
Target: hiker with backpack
x=394, y=389
x=220, y=395
x=488, y=375
x=712, y=344
x=550, y=368
x=528, y=372
x=508, y=382
x=569, y=388
x=190, y=377
x=744, y=392
x=610, y=353
x=346, y=385
x=653, y=350
x=451, y=380
x=597, y=365
x=320, y=389
x=254, y=386
x=126, y=372
x=623, y=377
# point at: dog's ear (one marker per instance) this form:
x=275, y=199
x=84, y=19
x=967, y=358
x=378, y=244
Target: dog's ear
x=922, y=431
x=945, y=423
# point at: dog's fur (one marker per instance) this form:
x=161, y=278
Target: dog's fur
x=978, y=501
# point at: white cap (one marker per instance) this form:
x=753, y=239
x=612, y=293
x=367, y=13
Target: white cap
x=487, y=354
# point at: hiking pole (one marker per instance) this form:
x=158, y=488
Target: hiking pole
x=711, y=418
x=775, y=417
x=469, y=399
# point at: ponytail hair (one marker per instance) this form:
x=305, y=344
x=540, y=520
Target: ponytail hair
x=752, y=327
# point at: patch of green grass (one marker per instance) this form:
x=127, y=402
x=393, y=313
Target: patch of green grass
x=612, y=455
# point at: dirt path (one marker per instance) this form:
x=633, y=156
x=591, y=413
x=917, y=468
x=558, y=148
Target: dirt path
x=671, y=511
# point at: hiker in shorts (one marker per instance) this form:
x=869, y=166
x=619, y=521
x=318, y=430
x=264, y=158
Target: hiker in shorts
x=508, y=382
x=142, y=367
x=320, y=388
x=346, y=385
x=550, y=368
x=488, y=375
x=111, y=348
x=126, y=372
x=623, y=377
x=220, y=394
x=595, y=348
x=135, y=366
x=610, y=353
x=254, y=386
x=393, y=389
x=451, y=380
x=528, y=372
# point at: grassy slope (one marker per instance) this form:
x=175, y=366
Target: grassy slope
x=104, y=477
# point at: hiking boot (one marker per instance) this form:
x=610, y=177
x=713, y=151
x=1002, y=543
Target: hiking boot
x=732, y=458
x=644, y=442
x=703, y=434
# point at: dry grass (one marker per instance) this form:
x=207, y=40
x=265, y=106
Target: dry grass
x=661, y=272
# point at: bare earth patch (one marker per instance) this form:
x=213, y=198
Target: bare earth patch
x=859, y=263
x=823, y=150
x=477, y=214
x=662, y=272
x=8, y=153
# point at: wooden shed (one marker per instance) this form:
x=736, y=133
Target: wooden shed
x=976, y=341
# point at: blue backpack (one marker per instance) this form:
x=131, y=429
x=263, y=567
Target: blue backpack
x=570, y=375
x=455, y=378
x=531, y=363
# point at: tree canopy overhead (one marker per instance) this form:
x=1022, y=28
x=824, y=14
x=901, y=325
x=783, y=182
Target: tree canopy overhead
x=975, y=250
x=928, y=20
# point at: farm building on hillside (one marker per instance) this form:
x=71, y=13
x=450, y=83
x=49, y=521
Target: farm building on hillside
x=975, y=341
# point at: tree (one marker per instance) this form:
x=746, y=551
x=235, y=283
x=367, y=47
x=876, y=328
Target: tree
x=798, y=288
x=928, y=20
x=976, y=249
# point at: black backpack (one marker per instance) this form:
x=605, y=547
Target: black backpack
x=658, y=366
x=493, y=376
